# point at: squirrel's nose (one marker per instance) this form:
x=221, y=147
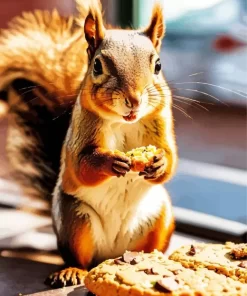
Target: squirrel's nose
x=132, y=102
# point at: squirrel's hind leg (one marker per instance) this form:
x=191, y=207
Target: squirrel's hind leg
x=159, y=236
x=74, y=239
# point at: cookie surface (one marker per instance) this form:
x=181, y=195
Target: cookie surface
x=228, y=259
x=239, y=251
x=141, y=274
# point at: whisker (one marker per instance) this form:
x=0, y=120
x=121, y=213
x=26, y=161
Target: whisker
x=155, y=99
x=204, y=93
x=33, y=99
x=157, y=96
x=60, y=115
x=193, y=100
x=28, y=87
x=153, y=91
x=196, y=74
x=190, y=75
x=28, y=91
x=243, y=92
x=158, y=88
x=181, y=99
x=190, y=104
x=214, y=85
x=163, y=104
x=153, y=104
x=182, y=111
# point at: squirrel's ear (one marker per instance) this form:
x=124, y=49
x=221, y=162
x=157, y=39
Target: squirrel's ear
x=94, y=29
x=156, y=29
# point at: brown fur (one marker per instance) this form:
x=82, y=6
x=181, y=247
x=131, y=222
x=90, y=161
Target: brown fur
x=88, y=160
x=81, y=244
x=40, y=85
x=93, y=28
x=159, y=237
x=36, y=47
x=156, y=29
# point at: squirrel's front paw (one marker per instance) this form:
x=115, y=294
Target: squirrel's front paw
x=157, y=168
x=120, y=164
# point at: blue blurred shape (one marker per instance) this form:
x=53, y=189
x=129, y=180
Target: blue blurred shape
x=210, y=194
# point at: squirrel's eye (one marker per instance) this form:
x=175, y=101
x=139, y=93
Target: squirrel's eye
x=97, y=67
x=157, y=67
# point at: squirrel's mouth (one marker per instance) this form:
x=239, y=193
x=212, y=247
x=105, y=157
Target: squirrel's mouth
x=131, y=117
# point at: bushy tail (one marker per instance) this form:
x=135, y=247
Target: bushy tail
x=43, y=61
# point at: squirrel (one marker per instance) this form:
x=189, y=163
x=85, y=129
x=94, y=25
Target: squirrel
x=121, y=101
x=100, y=208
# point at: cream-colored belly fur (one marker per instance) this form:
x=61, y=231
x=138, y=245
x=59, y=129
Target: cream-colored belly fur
x=122, y=209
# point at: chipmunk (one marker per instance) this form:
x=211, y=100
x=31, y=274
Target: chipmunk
x=112, y=79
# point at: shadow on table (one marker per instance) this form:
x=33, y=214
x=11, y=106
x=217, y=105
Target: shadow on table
x=20, y=276
x=80, y=291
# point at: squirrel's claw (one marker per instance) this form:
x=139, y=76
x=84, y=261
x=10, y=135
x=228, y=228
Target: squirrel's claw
x=156, y=169
x=66, y=277
x=120, y=165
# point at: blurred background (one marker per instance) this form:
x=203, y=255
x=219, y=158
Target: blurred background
x=204, y=58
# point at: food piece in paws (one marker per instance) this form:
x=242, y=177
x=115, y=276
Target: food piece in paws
x=142, y=157
x=228, y=259
x=153, y=274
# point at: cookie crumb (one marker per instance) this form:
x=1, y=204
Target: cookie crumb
x=192, y=250
x=243, y=264
x=239, y=252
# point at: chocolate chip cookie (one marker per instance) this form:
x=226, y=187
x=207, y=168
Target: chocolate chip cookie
x=229, y=259
x=153, y=274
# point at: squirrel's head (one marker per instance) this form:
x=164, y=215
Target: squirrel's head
x=124, y=81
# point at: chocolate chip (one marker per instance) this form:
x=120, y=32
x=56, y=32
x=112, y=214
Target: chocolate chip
x=136, y=260
x=192, y=251
x=243, y=264
x=151, y=271
x=167, y=284
x=154, y=271
x=176, y=272
x=148, y=271
x=129, y=256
